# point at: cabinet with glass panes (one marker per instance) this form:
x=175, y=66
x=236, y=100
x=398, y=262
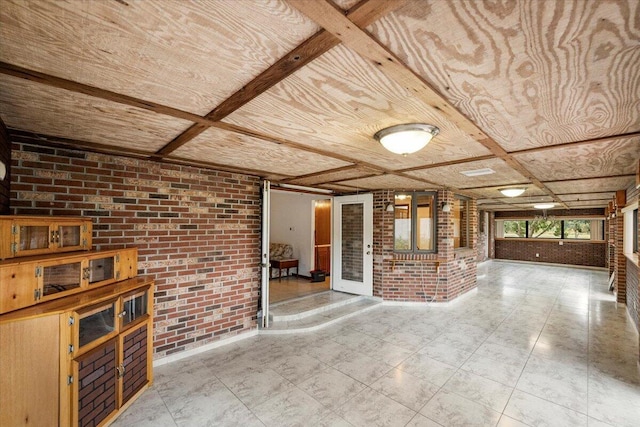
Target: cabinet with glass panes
x=31, y=280
x=36, y=235
x=79, y=353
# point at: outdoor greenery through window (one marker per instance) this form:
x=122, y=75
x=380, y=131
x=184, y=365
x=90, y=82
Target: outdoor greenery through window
x=414, y=222
x=541, y=228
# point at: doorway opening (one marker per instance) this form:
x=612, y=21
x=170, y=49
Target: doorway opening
x=300, y=226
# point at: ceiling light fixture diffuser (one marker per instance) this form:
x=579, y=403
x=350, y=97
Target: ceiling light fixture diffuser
x=478, y=172
x=512, y=192
x=544, y=205
x=406, y=138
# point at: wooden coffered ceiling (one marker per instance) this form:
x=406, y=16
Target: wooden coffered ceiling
x=547, y=94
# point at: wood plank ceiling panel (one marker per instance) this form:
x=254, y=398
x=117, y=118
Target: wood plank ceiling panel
x=390, y=182
x=42, y=109
x=450, y=176
x=529, y=73
x=340, y=101
x=190, y=55
x=591, y=185
x=602, y=158
x=227, y=148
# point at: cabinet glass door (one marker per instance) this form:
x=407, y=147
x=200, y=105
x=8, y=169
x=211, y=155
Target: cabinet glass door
x=96, y=323
x=61, y=278
x=134, y=307
x=69, y=235
x=101, y=269
x=33, y=237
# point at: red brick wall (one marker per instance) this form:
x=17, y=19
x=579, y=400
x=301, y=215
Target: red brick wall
x=5, y=157
x=483, y=235
x=197, y=232
x=574, y=253
x=620, y=260
x=422, y=277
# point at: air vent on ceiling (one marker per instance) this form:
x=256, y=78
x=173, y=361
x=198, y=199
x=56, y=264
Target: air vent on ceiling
x=478, y=172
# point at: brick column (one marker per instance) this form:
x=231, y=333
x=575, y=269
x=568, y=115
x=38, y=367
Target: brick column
x=619, y=259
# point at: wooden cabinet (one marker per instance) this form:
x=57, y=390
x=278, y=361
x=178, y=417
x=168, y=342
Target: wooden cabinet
x=31, y=280
x=27, y=236
x=79, y=359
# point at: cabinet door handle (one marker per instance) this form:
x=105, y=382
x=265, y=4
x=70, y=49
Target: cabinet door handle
x=120, y=369
x=53, y=236
x=124, y=313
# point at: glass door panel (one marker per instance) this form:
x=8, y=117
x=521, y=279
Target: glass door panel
x=96, y=323
x=33, y=237
x=61, y=278
x=352, y=241
x=101, y=269
x=69, y=235
x=134, y=307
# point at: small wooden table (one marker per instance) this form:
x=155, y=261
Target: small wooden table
x=281, y=264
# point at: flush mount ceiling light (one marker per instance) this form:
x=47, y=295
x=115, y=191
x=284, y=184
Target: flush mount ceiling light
x=544, y=205
x=406, y=138
x=512, y=192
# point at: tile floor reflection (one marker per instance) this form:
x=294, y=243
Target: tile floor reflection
x=533, y=346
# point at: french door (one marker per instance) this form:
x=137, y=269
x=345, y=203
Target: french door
x=352, y=264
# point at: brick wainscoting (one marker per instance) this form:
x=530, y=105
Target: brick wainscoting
x=575, y=253
x=197, y=232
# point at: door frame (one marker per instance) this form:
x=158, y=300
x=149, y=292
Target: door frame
x=337, y=283
x=264, y=251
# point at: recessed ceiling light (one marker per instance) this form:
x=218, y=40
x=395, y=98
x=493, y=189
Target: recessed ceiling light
x=512, y=192
x=544, y=205
x=478, y=172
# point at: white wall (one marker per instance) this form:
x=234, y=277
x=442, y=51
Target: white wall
x=292, y=222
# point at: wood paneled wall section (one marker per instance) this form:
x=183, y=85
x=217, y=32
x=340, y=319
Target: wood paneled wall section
x=323, y=223
x=5, y=157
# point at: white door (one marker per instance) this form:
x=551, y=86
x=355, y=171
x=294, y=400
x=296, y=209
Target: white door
x=264, y=262
x=352, y=263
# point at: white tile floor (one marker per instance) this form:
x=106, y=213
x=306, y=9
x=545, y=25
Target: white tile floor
x=535, y=345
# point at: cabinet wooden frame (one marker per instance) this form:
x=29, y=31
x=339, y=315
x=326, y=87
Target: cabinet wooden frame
x=24, y=281
x=51, y=364
x=51, y=241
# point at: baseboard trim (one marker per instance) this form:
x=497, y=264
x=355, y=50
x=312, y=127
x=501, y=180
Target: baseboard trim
x=192, y=352
x=553, y=264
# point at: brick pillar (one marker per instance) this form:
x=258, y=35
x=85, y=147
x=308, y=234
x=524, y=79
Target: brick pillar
x=620, y=260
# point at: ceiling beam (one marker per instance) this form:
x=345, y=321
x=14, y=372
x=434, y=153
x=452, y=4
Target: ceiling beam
x=25, y=137
x=364, y=13
x=320, y=173
x=449, y=163
x=625, y=175
x=352, y=35
x=70, y=85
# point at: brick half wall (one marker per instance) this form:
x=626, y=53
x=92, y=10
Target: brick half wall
x=197, y=232
x=591, y=254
